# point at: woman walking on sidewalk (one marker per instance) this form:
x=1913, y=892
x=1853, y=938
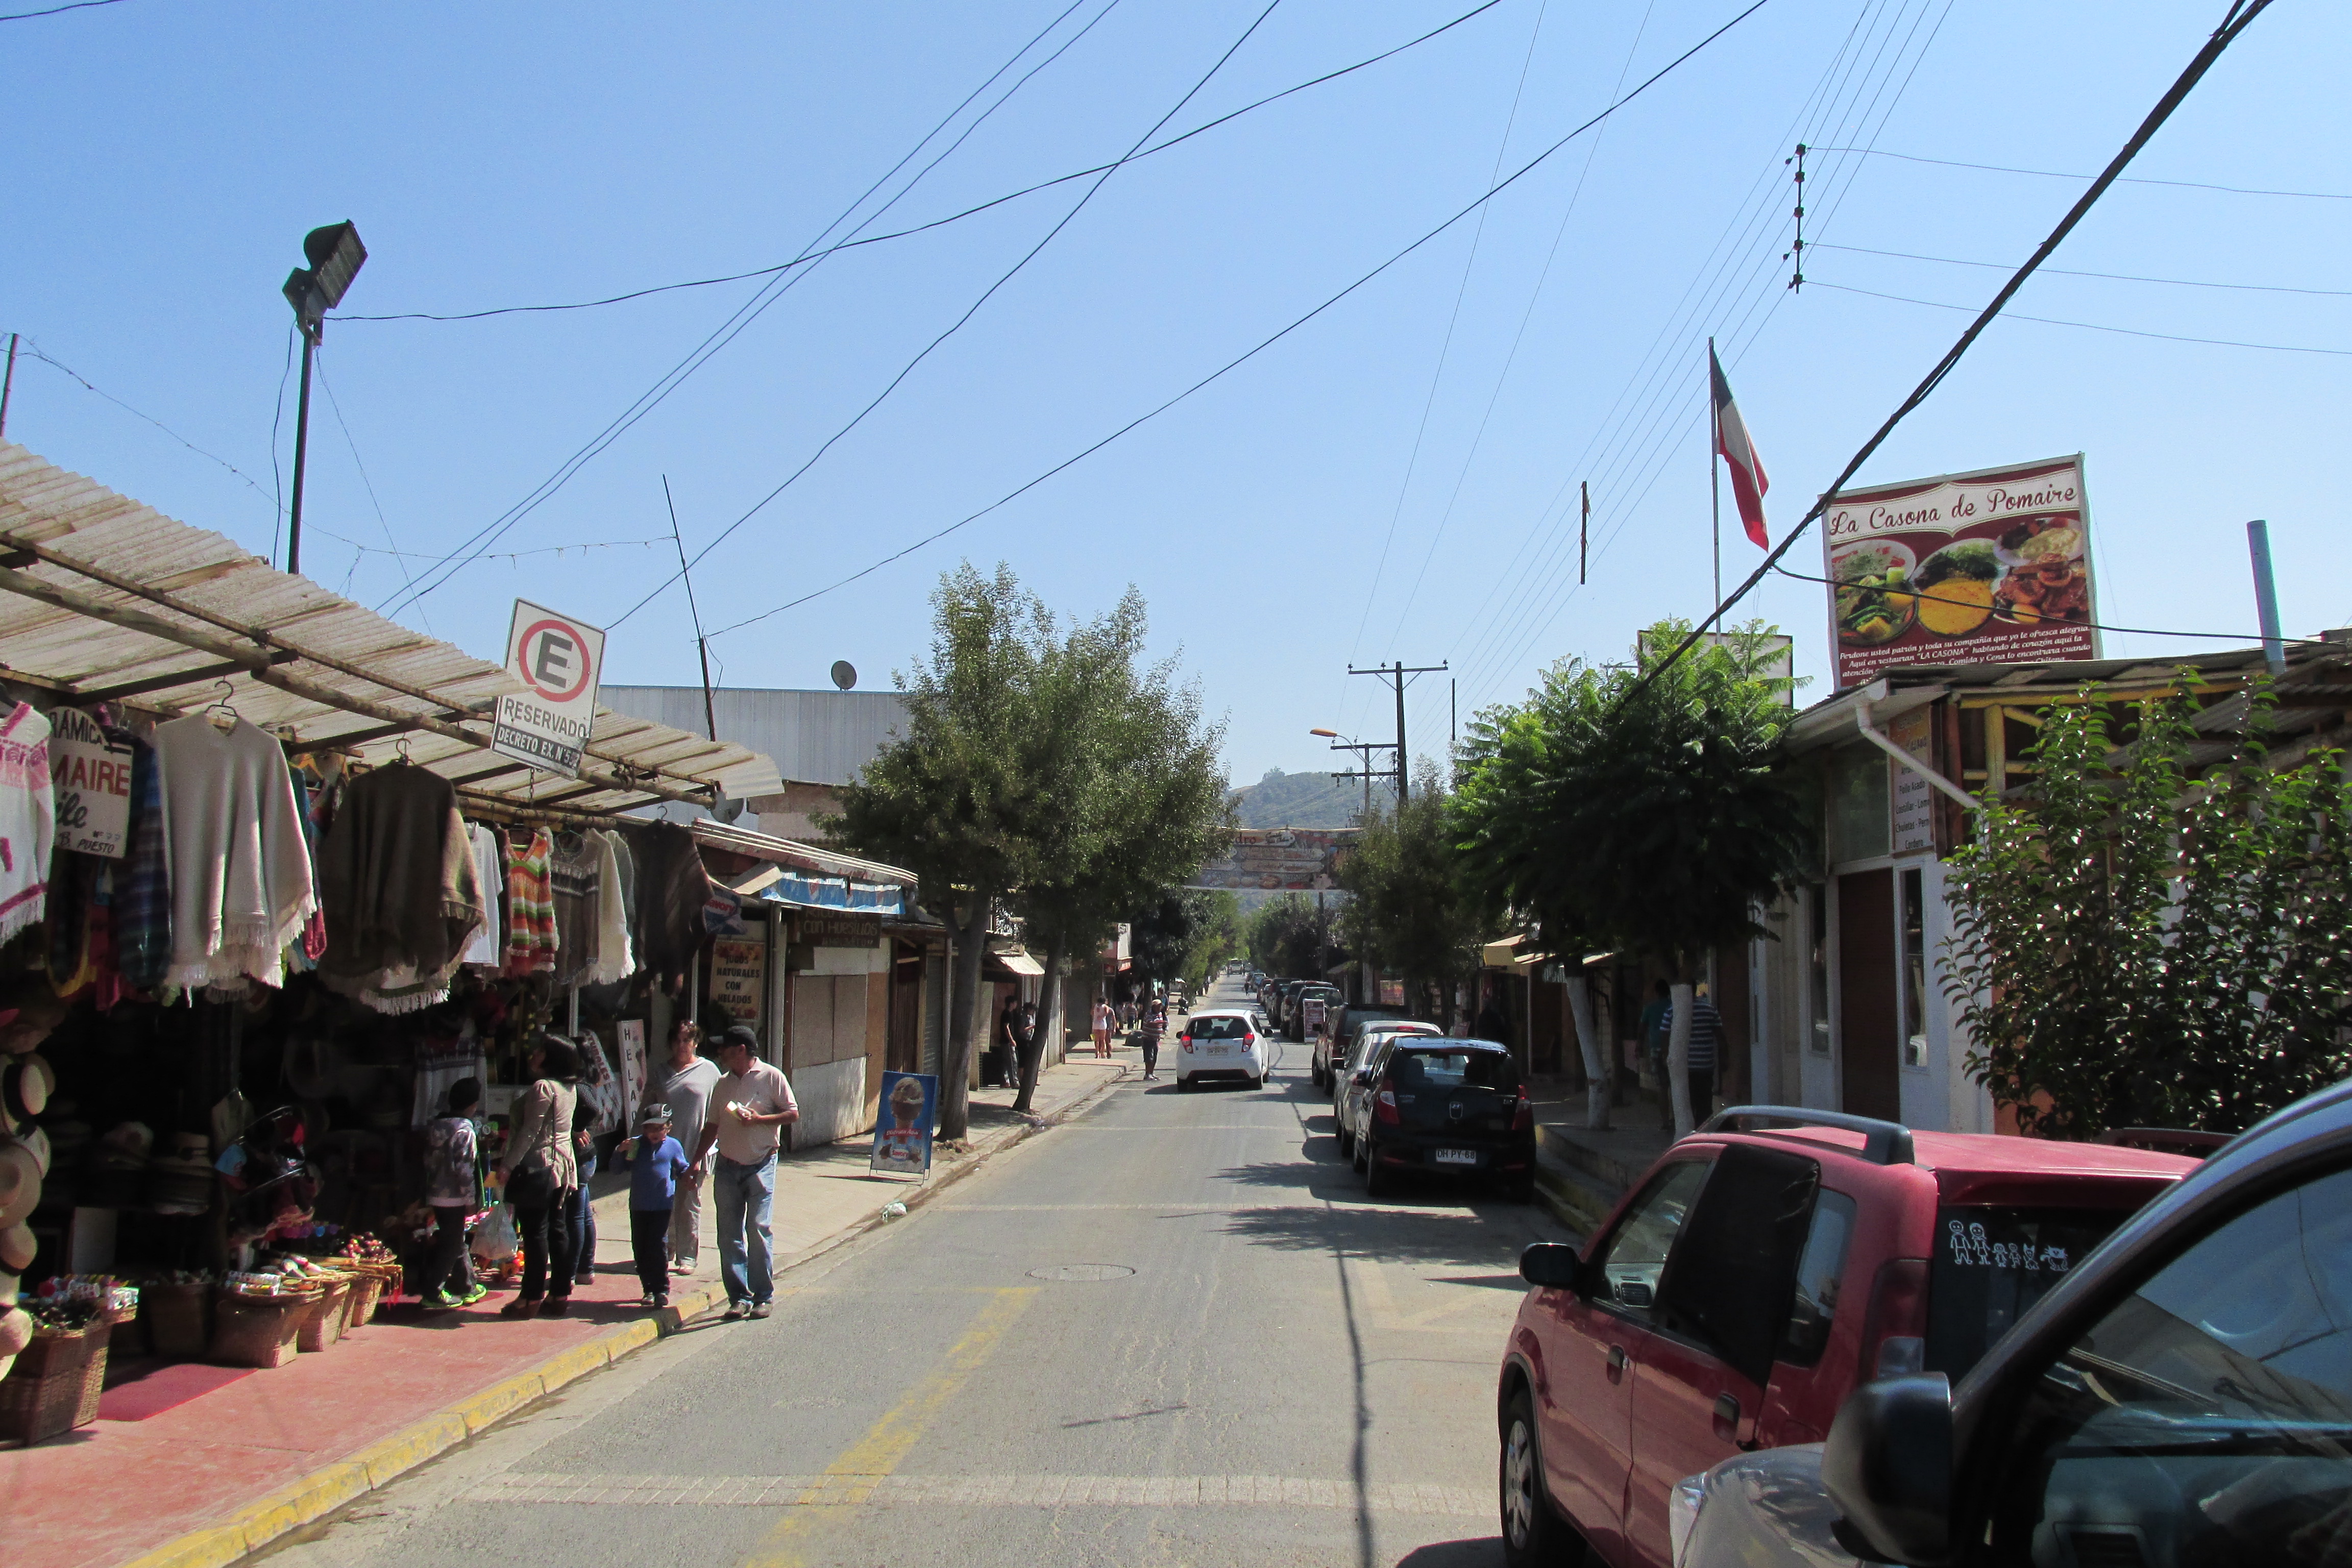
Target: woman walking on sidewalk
x=540, y=1174
x=1102, y=1027
x=1155, y=1022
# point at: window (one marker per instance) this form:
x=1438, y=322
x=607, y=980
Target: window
x=1459, y=1068
x=1734, y=1271
x=1635, y=1256
x=1913, y=916
x=1992, y=1264
x=2206, y=1418
x=1814, y=1309
x=1220, y=1026
x=1859, y=823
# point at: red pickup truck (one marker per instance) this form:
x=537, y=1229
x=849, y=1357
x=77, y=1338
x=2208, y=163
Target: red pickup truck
x=1755, y=1275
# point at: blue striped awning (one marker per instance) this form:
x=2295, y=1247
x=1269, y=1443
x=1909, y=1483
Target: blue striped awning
x=804, y=890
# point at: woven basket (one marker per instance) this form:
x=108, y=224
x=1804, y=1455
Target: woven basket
x=367, y=1288
x=179, y=1319
x=259, y=1330
x=54, y=1383
x=322, y=1328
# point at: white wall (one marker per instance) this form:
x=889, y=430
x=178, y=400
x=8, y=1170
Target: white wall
x=832, y=1099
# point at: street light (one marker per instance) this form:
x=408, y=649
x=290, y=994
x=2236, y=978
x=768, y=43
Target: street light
x=335, y=255
x=1365, y=749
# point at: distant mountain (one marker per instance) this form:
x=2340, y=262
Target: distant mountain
x=1298, y=800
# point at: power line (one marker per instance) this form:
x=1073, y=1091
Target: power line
x=811, y=257
x=750, y=310
x=2094, y=326
x=381, y=522
x=2131, y=180
x=2110, y=276
x=1263, y=344
x=957, y=325
x=55, y=10
x=2094, y=625
x=2240, y=17
x=34, y=351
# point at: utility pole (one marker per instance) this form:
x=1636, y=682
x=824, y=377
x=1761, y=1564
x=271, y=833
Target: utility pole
x=8, y=383
x=1394, y=673
x=701, y=643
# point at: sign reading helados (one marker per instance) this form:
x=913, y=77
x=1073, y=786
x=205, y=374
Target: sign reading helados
x=1989, y=567
x=558, y=660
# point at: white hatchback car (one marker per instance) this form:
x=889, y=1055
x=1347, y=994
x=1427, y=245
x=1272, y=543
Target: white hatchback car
x=1221, y=1045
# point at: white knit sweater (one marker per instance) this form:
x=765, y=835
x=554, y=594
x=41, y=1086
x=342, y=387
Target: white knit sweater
x=241, y=882
x=27, y=819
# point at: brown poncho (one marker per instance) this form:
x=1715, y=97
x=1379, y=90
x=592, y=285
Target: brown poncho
x=397, y=879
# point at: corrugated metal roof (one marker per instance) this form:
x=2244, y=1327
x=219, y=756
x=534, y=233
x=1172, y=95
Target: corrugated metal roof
x=816, y=737
x=806, y=857
x=358, y=674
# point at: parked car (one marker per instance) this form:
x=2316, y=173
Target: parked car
x=1224, y=1044
x=1352, y=1086
x=1313, y=997
x=1432, y=1105
x=1755, y=1277
x=2184, y=1396
x=1332, y=1047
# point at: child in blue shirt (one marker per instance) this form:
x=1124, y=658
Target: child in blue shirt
x=656, y=1163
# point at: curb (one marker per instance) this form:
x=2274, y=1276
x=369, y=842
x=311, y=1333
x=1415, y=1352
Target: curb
x=323, y=1490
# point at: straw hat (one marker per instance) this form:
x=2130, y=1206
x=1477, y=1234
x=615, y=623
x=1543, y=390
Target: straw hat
x=20, y=1185
x=15, y=1331
x=17, y=1247
x=25, y=1085
x=10, y=1283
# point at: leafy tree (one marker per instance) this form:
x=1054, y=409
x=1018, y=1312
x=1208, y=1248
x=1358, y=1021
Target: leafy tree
x=2135, y=946
x=1170, y=937
x=952, y=798
x=1409, y=907
x=1648, y=817
x=1289, y=934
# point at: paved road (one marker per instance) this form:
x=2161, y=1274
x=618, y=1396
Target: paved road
x=1168, y=1330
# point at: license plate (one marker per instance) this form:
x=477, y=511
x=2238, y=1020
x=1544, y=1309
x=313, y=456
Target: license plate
x=1221, y=1051
x=1455, y=1156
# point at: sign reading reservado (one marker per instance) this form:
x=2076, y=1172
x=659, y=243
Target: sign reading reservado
x=1989, y=567
x=557, y=658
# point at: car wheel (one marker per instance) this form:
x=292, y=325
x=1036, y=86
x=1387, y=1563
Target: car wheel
x=1377, y=1181
x=1533, y=1534
x=1346, y=1143
x=1356, y=1153
x=1316, y=1073
x=1183, y=1084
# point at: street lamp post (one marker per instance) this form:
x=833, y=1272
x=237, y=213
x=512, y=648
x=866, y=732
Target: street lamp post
x=1365, y=749
x=335, y=255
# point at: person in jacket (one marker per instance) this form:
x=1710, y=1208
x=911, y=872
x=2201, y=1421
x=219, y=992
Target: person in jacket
x=453, y=1189
x=538, y=1174
x=655, y=1164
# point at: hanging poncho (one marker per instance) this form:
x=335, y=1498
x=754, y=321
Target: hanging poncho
x=490, y=871
x=27, y=819
x=141, y=911
x=240, y=870
x=615, y=960
x=672, y=888
x=575, y=880
x=396, y=875
x=531, y=906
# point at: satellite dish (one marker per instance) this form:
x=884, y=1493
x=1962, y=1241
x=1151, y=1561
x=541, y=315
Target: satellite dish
x=844, y=674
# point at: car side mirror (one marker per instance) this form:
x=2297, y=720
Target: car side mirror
x=1550, y=1266
x=1888, y=1467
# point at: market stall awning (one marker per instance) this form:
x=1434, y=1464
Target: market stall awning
x=1017, y=963
x=102, y=598
x=802, y=876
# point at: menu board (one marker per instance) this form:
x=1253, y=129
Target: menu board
x=1990, y=567
x=738, y=976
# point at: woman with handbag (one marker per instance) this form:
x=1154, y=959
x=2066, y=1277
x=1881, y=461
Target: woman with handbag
x=539, y=1173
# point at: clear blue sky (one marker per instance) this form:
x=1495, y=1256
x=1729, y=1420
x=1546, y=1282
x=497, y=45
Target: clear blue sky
x=1340, y=495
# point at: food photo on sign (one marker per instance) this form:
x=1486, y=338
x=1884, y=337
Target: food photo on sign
x=1983, y=567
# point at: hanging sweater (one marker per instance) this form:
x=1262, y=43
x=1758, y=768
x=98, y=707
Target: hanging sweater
x=141, y=911
x=396, y=875
x=572, y=879
x=614, y=958
x=241, y=884
x=490, y=871
x=672, y=888
x=531, y=906
x=27, y=819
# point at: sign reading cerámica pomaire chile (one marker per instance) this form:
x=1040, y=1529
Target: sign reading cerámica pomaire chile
x=557, y=658
x=1989, y=567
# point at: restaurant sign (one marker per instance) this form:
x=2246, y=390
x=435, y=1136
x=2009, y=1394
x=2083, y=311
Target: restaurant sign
x=1990, y=567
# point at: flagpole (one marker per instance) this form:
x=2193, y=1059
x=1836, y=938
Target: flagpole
x=1713, y=472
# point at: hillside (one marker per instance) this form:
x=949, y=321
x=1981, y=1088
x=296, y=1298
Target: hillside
x=1298, y=800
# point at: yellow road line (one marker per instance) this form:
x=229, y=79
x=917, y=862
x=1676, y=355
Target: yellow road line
x=851, y=1478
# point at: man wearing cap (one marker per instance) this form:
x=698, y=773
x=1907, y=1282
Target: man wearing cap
x=749, y=1108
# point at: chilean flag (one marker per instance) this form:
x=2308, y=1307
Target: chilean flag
x=1738, y=452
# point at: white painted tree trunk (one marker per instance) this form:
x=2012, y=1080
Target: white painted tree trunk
x=1678, y=1057
x=1596, y=1062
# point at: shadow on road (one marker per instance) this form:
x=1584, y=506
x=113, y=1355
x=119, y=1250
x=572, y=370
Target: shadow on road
x=1477, y=1244
x=1480, y=1554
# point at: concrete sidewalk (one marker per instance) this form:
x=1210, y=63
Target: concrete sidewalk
x=212, y=1479
x=1580, y=1174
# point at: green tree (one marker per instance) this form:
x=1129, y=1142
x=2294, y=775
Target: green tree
x=1290, y=936
x=954, y=797
x=1410, y=909
x=1611, y=813
x=2134, y=945
x=1171, y=935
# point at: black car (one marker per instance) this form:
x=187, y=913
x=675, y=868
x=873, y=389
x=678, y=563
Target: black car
x=1294, y=1026
x=1447, y=1107
x=1337, y=1040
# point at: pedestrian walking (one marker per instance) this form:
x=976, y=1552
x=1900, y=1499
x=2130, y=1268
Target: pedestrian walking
x=453, y=1189
x=1656, y=1013
x=1155, y=1022
x=1706, y=1046
x=656, y=1164
x=686, y=1089
x=749, y=1108
x=1102, y=1027
x=598, y=1114
x=537, y=1174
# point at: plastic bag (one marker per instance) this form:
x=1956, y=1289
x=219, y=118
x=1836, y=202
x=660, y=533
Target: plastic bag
x=493, y=1241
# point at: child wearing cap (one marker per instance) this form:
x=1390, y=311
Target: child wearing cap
x=656, y=1163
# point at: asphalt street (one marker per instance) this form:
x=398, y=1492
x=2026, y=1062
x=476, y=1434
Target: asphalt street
x=1168, y=1330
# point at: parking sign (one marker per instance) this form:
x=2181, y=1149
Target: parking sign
x=558, y=659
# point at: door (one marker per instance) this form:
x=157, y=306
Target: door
x=1586, y=1417
x=1868, y=1024
x=905, y=1054
x=1722, y=1316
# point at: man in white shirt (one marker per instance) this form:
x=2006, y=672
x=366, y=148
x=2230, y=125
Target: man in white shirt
x=749, y=1111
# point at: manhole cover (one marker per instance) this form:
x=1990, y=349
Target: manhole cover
x=1081, y=1272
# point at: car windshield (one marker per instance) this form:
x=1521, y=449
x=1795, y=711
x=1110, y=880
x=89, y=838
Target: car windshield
x=1992, y=1264
x=1458, y=1067
x=1221, y=1026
